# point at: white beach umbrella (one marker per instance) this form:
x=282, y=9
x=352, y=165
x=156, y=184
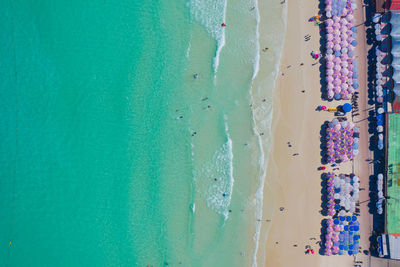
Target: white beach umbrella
x=381, y=110
x=380, y=176
x=379, y=129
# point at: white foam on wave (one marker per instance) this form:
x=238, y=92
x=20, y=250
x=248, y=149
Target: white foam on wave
x=218, y=194
x=211, y=14
x=262, y=121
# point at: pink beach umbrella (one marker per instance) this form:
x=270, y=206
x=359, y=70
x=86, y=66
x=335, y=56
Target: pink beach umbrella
x=330, y=65
x=344, y=71
x=337, y=82
x=338, y=127
x=345, y=86
x=329, y=86
x=344, y=36
x=330, y=94
x=349, y=18
x=338, y=89
x=329, y=45
x=336, y=19
x=329, y=22
x=329, y=79
x=329, y=36
x=337, y=60
x=329, y=72
x=337, y=67
x=336, y=32
x=330, y=57
x=329, y=29
x=344, y=64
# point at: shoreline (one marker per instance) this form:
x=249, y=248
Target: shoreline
x=293, y=182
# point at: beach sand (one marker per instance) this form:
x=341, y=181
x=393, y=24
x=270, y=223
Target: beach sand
x=293, y=182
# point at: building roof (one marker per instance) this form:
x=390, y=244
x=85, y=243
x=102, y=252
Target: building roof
x=394, y=5
x=393, y=175
x=394, y=247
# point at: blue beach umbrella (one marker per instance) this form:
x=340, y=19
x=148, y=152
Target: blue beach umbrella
x=355, y=75
x=354, y=43
x=330, y=52
x=345, y=247
x=346, y=228
x=356, y=228
x=354, y=29
x=348, y=218
x=354, y=35
x=355, y=146
x=350, y=252
x=341, y=247
x=336, y=221
x=356, y=86
x=351, y=54
x=351, y=228
x=346, y=107
x=337, y=96
x=356, y=237
x=337, y=54
x=337, y=207
x=342, y=218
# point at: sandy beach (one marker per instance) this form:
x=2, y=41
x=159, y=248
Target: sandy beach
x=293, y=182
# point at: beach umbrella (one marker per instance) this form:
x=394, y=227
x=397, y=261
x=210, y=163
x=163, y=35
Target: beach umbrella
x=379, y=93
x=380, y=111
x=329, y=51
x=337, y=53
x=351, y=54
x=330, y=64
x=355, y=86
x=355, y=152
x=329, y=72
x=329, y=36
x=329, y=22
x=379, y=99
x=346, y=107
x=354, y=29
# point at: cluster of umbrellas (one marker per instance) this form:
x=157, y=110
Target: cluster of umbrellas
x=378, y=34
x=341, y=141
x=380, y=68
x=341, y=66
x=379, y=203
x=339, y=7
x=330, y=194
x=342, y=235
x=342, y=193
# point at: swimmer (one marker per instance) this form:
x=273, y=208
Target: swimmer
x=196, y=76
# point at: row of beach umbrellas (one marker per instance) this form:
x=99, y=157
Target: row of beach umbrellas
x=339, y=7
x=340, y=145
x=342, y=236
x=342, y=193
x=341, y=66
x=380, y=68
x=379, y=203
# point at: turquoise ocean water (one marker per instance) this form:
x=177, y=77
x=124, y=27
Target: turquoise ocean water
x=112, y=154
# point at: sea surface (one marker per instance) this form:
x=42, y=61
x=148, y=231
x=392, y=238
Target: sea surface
x=112, y=153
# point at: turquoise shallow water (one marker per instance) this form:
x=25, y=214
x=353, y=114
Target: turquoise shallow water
x=112, y=154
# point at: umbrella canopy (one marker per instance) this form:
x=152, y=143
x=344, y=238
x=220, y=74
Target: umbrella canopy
x=346, y=107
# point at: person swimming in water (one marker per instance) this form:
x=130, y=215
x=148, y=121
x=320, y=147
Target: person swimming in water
x=196, y=76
